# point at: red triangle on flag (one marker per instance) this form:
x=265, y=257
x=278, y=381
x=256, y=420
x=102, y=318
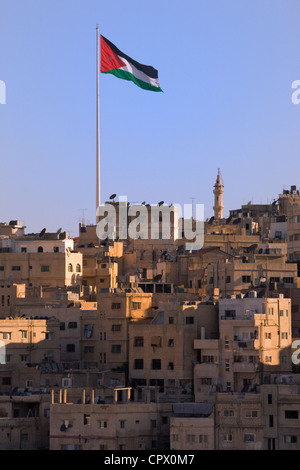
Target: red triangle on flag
x=109, y=59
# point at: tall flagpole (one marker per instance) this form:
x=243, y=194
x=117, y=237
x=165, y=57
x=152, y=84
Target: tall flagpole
x=97, y=130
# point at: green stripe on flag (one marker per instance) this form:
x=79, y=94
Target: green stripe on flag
x=119, y=73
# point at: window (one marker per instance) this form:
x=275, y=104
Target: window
x=246, y=279
x=199, y=283
x=227, y=366
x=268, y=359
x=116, y=306
x=88, y=349
x=189, y=320
x=249, y=437
x=139, y=341
x=6, y=335
x=23, y=334
x=136, y=305
x=228, y=279
x=40, y=249
x=171, y=343
x=6, y=380
x=55, y=249
x=24, y=358
x=62, y=325
x=271, y=311
x=291, y=414
x=45, y=269
x=116, y=328
x=86, y=420
x=72, y=324
x=1, y=268
x=23, y=249
x=116, y=349
x=102, y=424
x=171, y=366
x=16, y=268
x=139, y=363
x=156, y=364
x=288, y=280
x=251, y=414
x=70, y=268
x=174, y=437
x=164, y=419
x=70, y=347
x=102, y=335
x=2, y=300
x=171, y=320
x=153, y=423
x=78, y=268
x=228, y=413
x=206, y=380
x=269, y=398
x=284, y=335
x=268, y=335
x=202, y=439
x=227, y=437
x=226, y=344
x=290, y=439
x=122, y=424
x=208, y=359
x=284, y=313
x=190, y=438
x=271, y=421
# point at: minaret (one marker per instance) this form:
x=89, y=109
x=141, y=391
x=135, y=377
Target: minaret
x=218, y=192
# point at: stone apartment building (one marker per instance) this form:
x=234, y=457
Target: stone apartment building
x=40, y=260
x=130, y=422
x=255, y=340
x=161, y=349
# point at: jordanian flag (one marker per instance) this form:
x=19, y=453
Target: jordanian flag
x=119, y=64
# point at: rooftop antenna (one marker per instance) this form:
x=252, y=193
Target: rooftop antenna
x=83, y=219
x=112, y=197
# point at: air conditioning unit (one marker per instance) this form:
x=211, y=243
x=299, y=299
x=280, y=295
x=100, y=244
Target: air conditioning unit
x=66, y=383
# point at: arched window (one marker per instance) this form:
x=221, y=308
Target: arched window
x=70, y=268
x=40, y=249
x=78, y=268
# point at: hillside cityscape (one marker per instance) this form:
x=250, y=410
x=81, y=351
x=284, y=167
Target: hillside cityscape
x=149, y=342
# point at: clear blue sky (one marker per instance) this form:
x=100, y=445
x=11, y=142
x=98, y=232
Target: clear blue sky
x=226, y=68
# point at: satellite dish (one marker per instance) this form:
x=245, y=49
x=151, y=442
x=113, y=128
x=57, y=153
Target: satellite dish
x=143, y=203
x=157, y=278
x=42, y=233
x=58, y=231
x=112, y=196
x=10, y=278
x=160, y=203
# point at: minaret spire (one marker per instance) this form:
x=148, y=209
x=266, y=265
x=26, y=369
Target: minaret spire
x=218, y=192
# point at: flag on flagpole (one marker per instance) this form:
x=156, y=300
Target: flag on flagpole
x=122, y=66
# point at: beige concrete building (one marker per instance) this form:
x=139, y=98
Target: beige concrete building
x=192, y=427
x=161, y=349
x=29, y=340
x=239, y=275
x=255, y=340
x=141, y=424
x=24, y=422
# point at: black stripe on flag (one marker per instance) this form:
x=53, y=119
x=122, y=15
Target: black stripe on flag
x=147, y=69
